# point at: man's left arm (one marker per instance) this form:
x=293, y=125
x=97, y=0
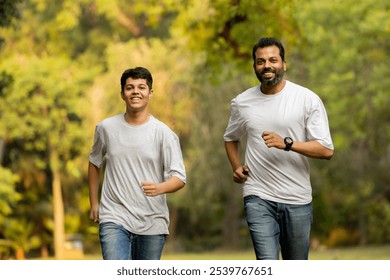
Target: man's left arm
x=313, y=149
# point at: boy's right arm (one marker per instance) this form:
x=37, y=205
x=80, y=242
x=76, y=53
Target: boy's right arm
x=94, y=183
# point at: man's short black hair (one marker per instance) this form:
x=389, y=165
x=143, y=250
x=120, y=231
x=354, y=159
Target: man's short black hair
x=266, y=42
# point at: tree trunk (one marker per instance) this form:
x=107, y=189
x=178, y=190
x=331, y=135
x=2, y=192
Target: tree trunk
x=20, y=254
x=58, y=207
x=44, y=252
x=174, y=243
x=231, y=220
x=362, y=222
x=361, y=155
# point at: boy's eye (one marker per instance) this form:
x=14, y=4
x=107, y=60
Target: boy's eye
x=132, y=88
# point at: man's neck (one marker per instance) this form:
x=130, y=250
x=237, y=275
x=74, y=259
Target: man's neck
x=271, y=90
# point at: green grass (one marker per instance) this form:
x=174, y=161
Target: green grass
x=380, y=252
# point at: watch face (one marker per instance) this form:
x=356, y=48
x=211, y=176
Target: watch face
x=289, y=142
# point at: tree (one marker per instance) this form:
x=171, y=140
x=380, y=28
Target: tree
x=8, y=195
x=46, y=117
x=49, y=90
x=348, y=68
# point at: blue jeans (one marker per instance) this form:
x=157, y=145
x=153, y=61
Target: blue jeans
x=119, y=244
x=272, y=224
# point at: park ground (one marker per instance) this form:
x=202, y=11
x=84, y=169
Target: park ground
x=377, y=252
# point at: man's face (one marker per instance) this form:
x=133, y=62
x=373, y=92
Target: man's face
x=136, y=94
x=268, y=66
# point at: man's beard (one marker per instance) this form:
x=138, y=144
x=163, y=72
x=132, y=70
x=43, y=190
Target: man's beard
x=270, y=82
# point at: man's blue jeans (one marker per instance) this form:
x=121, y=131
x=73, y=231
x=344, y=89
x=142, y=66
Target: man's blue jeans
x=119, y=244
x=272, y=224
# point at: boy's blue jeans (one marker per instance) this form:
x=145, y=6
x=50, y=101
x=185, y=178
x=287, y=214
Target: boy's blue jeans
x=272, y=224
x=119, y=244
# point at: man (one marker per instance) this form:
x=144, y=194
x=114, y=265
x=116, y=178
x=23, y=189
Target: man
x=143, y=162
x=285, y=124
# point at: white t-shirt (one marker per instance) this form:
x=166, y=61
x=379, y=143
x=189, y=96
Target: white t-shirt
x=148, y=152
x=295, y=111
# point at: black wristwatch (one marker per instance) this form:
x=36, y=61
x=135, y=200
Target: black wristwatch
x=289, y=142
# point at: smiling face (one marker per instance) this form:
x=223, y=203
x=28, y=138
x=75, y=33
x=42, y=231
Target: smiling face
x=136, y=94
x=269, y=66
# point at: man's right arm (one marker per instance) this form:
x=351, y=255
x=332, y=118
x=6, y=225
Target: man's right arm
x=232, y=151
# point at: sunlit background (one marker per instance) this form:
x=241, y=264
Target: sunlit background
x=60, y=65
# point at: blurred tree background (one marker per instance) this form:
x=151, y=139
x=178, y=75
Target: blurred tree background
x=60, y=64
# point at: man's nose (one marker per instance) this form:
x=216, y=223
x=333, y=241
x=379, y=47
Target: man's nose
x=267, y=64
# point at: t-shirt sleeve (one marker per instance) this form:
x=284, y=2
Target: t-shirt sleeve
x=235, y=128
x=98, y=151
x=318, y=124
x=173, y=159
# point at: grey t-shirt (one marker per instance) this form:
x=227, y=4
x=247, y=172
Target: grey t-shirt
x=149, y=152
x=295, y=111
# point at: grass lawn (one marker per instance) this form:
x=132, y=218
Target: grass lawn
x=380, y=252
x=354, y=253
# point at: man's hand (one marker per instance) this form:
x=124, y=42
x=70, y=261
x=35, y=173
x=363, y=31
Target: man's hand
x=241, y=174
x=273, y=140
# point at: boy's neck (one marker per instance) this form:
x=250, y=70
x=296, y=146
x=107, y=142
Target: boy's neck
x=136, y=118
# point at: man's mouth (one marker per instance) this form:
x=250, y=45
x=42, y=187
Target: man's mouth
x=268, y=75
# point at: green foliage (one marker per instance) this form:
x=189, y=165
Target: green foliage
x=8, y=11
x=20, y=231
x=172, y=100
x=347, y=67
x=8, y=195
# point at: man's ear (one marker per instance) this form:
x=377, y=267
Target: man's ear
x=284, y=65
x=150, y=93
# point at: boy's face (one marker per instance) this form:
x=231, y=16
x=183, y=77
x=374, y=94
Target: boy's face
x=136, y=94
